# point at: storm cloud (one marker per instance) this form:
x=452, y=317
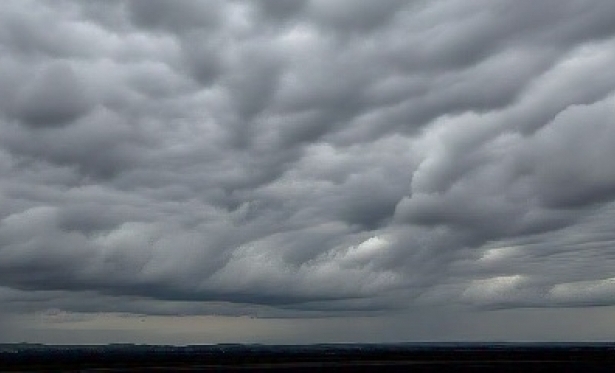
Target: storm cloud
x=306, y=159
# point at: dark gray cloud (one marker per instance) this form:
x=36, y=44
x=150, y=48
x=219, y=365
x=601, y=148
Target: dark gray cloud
x=275, y=10
x=305, y=159
x=54, y=97
x=354, y=15
x=165, y=16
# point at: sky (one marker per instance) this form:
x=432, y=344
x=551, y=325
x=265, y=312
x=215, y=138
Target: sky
x=300, y=171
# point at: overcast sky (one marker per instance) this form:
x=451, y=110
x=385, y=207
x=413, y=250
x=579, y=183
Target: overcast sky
x=297, y=171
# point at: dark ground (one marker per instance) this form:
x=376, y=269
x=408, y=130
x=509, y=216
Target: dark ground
x=323, y=358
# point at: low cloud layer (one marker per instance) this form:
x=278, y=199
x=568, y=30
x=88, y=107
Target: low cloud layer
x=306, y=158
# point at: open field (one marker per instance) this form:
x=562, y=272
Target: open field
x=324, y=358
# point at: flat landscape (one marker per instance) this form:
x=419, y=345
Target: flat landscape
x=303, y=358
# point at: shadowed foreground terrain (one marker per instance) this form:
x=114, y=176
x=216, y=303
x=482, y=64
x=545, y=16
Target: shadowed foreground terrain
x=325, y=357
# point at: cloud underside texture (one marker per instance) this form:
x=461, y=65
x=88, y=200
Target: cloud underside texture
x=292, y=158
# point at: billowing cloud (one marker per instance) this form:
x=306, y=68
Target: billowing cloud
x=305, y=159
x=54, y=97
